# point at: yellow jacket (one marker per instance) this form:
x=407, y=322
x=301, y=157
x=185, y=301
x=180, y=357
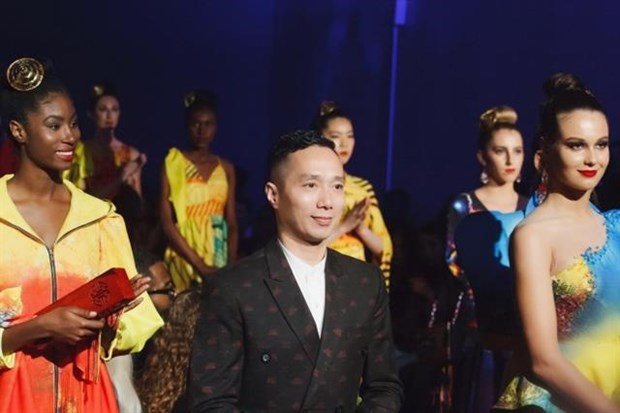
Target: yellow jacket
x=92, y=239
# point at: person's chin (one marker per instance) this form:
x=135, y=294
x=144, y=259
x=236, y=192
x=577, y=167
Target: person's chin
x=318, y=237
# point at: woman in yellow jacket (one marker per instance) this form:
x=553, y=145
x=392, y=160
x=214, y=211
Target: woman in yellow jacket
x=54, y=239
x=362, y=227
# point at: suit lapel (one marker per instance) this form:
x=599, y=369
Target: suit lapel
x=335, y=306
x=290, y=300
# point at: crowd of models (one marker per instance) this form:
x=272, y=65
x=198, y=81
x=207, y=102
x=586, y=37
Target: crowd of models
x=332, y=306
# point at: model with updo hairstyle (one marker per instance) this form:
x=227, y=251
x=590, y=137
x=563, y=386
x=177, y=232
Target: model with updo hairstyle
x=198, y=199
x=362, y=227
x=105, y=166
x=500, y=153
x=55, y=238
x=566, y=259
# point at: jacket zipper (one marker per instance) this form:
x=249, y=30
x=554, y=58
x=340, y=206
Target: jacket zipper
x=54, y=297
x=54, y=292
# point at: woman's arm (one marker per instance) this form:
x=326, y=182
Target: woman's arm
x=351, y=221
x=131, y=172
x=376, y=236
x=230, y=213
x=65, y=324
x=532, y=258
x=177, y=242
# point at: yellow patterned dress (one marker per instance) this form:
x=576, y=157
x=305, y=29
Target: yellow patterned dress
x=356, y=189
x=587, y=301
x=199, y=205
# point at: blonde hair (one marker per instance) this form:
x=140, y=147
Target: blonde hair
x=494, y=119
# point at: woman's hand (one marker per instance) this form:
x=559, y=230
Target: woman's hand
x=70, y=324
x=139, y=283
x=132, y=167
x=356, y=216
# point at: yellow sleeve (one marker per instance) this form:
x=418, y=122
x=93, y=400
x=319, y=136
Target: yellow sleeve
x=139, y=324
x=7, y=361
x=377, y=225
x=81, y=167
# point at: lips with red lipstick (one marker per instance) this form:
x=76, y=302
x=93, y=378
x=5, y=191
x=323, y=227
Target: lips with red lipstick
x=510, y=170
x=343, y=154
x=66, y=156
x=588, y=173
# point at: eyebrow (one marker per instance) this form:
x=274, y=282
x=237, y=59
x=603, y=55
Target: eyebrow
x=575, y=138
x=60, y=118
x=315, y=176
x=506, y=147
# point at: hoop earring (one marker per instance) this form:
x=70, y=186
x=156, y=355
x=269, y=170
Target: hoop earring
x=484, y=178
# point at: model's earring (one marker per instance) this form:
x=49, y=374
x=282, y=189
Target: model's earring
x=541, y=192
x=484, y=177
x=518, y=179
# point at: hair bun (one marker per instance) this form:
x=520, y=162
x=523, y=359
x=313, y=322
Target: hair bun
x=327, y=107
x=201, y=96
x=498, y=115
x=102, y=89
x=98, y=90
x=564, y=82
x=25, y=74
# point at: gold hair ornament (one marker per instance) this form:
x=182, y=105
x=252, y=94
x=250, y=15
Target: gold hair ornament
x=25, y=74
x=327, y=107
x=189, y=99
x=98, y=90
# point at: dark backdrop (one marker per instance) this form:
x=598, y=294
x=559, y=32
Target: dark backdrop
x=273, y=61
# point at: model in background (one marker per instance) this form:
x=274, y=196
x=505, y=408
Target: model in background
x=362, y=228
x=198, y=200
x=104, y=166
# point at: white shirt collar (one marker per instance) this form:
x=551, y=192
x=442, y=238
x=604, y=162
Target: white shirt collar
x=299, y=266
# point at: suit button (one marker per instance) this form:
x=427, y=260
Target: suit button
x=265, y=358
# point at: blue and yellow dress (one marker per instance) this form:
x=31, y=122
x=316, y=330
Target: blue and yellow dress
x=587, y=301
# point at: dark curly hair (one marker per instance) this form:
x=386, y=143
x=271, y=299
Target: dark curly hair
x=163, y=380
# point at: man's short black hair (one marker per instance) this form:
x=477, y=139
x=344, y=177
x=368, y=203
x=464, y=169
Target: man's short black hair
x=293, y=142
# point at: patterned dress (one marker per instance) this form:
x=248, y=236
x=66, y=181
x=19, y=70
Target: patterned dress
x=587, y=301
x=356, y=189
x=463, y=205
x=100, y=169
x=199, y=205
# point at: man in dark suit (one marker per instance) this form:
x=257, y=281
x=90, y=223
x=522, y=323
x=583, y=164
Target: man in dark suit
x=296, y=327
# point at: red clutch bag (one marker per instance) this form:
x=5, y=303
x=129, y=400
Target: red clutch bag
x=105, y=294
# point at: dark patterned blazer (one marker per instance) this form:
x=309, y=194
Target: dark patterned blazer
x=256, y=347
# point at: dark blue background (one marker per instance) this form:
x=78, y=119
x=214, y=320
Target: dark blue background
x=273, y=61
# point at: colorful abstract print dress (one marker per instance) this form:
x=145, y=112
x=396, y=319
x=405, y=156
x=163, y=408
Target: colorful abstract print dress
x=587, y=300
x=199, y=204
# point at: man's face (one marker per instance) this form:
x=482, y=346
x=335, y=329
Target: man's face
x=307, y=195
